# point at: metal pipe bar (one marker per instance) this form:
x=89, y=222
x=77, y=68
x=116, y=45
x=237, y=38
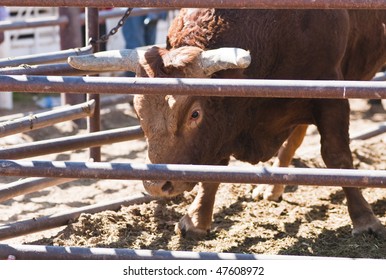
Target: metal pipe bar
x=45, y=57
x=202, y=87
x=93, y=122
x=56, y=220
x=48, y=118
x=29, y=185
x=370, y=133
x=63, y=69
x=106, y=101
x=41, y=252
x=33, y=23
x=196, y=173
x=77, y=142
x=14, y=65
x=263, y=4
x=71, y=37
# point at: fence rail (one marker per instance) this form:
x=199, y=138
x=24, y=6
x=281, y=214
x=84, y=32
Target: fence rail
x=199, y=87
x=44, y=58
x=29, y=185
x=94, y=139
x=36, y=121
x=261, y=4
x=56, y=220
x=195, y=173
x=39, y=252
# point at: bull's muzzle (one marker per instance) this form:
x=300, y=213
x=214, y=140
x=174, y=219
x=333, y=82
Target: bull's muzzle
x=159, y=188
x=167, y=188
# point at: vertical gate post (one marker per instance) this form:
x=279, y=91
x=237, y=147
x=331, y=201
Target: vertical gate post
x=92, y=32
x=70, y=37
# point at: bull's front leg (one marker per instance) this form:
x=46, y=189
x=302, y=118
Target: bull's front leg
x=197, y=222
x=361, y=214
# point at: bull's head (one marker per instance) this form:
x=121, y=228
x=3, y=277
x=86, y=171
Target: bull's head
x=176, y=127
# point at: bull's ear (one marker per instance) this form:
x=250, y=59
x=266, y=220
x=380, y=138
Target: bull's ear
x=224, y=58
x=115, y=60
x=137, y=104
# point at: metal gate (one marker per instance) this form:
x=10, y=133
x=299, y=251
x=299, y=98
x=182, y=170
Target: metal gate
x=51, y=173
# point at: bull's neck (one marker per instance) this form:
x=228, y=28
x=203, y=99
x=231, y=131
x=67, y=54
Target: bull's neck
x=241, y=121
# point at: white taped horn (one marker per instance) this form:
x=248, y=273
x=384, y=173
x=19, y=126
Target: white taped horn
x=224, y=58
x=115, y=60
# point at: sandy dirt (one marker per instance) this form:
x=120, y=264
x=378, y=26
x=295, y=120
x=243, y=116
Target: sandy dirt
x=309, y=221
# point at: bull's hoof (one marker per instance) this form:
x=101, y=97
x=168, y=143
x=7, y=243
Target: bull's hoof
x=186, y=229
x=376, y=229
x=268, y=192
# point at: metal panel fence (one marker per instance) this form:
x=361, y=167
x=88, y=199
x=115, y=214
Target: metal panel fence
x=250, y=88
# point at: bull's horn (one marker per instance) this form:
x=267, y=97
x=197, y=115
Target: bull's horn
x=224, y=58
x=115, y=60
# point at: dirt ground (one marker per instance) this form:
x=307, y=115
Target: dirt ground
x=309, y=221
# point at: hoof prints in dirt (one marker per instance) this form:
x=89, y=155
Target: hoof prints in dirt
x=310, y=222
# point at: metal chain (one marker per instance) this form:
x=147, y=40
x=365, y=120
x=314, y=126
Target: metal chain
x=104, y=38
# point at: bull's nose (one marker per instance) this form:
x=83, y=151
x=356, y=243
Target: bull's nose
x=159, y=188
x=167, y=187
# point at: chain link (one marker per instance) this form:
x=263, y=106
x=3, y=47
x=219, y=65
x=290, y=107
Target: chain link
x=104, y=38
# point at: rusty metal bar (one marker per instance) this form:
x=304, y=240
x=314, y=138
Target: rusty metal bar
x=33, y=23
x=70, y=34
x=62, y=69
x=199, y=87
x=71, y=37
x=11, y=64
x=56, y=220
x=196, y=173
x=106, y=101
x=94, y=139
x=44, y=57
x=29, y=185
x=36, y=121
x=364, y=135
x=92, y=33
x=40, y=252
x=265, y=4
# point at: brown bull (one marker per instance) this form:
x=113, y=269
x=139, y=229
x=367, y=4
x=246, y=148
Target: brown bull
x=283, y=44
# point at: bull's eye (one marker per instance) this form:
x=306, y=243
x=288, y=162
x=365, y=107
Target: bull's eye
x=195, y=115
x=194, y=118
